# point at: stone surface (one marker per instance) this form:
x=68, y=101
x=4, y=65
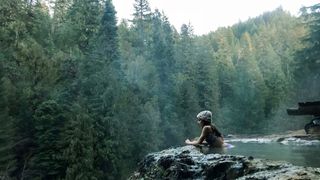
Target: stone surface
x=189, y=163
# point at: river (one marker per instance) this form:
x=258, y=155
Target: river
x=295, y=151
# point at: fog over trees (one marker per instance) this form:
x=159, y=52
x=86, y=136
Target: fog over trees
x=84, y=98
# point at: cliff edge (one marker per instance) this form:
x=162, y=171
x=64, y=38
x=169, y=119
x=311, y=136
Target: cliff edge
x=188, y=162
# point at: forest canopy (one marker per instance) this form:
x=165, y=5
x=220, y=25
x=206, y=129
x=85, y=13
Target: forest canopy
x=85, y=97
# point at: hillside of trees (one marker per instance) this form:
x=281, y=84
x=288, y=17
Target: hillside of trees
x=85, y=97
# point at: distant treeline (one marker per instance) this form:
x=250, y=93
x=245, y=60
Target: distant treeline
x=84, y=98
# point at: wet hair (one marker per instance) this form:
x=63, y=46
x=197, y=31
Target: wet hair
x=206, y=123
x=213, y=128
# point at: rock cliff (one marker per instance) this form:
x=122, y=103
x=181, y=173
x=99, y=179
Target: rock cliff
x=189, y=163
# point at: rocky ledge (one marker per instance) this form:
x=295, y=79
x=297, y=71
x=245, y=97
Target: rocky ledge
x=189, y=163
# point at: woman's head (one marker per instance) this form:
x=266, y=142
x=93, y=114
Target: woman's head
x=204, y=118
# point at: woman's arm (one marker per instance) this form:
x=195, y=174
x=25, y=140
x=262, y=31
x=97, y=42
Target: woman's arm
x=204, y=133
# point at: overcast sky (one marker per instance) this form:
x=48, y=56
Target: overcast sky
x=208, y=15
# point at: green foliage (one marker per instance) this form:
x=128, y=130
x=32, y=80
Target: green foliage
x=83, y=17
x=78, y=146
x=141, y=25
x=307, y=59
x=84, y=98
x=248, y=91
x=46, y=161
x=107, y=38
x=7, y=129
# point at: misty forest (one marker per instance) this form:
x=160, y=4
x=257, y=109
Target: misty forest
x=83, y=96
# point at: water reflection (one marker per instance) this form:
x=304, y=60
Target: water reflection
x=296, y=154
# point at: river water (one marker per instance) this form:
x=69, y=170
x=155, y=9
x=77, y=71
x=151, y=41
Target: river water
x=300, y=153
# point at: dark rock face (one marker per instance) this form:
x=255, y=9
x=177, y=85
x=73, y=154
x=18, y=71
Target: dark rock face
x=189, y=163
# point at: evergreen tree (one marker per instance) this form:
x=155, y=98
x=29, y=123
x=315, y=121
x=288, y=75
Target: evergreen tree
x=187, y=104
x=107, y=40
x=100, y=88
x=274, y=78
x=141, y=22
x=83, y=98
x=223, y=49
x=142, y=10
x=25, y=63
x=78, y=146
x=249, y=89
x=47, y=162
x=162, y=55
x=162, y=48
x=6, y=128
x=83, y=17
x=308, y=63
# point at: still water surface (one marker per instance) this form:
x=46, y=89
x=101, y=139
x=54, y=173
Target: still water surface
x=300, y=155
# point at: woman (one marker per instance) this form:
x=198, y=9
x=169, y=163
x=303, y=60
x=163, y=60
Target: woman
x=209, y=132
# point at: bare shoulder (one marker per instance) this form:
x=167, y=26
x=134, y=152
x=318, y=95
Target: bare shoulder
x=214, y=126
x=206, y=129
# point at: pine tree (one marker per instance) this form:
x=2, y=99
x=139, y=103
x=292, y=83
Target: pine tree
x=162, y=48
x=78, y=146
x=249, y=89
x=107, y=38
x=100, y=80
x=24, y=66
x=83, y=17
x=308, y=63
x=162, y=55
x=187, y=100
x=270, y=64
x=141, y=22
x=6, y=127
x=223, y=51
x=47, y=161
